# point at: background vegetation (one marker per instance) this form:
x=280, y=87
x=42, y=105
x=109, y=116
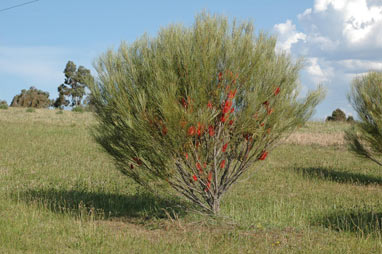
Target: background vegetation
x=59, y=193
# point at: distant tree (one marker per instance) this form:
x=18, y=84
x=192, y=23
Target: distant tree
x=365, y=138
x=73, y=86
x=350, y=119
x=337, y=115
x=32, y=98
x=3, y=105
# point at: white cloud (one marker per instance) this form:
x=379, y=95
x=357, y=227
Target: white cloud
x=288, y=35
x=341, y=38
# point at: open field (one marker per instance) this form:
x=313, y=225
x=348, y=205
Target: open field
x=59, y=193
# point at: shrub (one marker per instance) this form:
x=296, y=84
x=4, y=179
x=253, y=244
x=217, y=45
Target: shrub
x=365, y=138
x=32, y=98
x=350, y=119
x=195, y=107
x=337, y=115
x=30, y=110
x=78, y=109
x=3, y=105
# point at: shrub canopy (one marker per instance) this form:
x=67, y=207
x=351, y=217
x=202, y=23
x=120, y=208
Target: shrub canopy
x=32, y=98
x=365, y=138
x=195, y=107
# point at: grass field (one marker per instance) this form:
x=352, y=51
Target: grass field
x=60, y=193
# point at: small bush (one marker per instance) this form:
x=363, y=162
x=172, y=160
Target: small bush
x=194, y=108
x=350, y=119
x=78, y=109
x=30, y=110
x=3, y=105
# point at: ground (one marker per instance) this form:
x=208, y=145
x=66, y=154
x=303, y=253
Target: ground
x=60, y=193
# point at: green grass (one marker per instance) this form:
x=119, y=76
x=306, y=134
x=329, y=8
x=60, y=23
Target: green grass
x=60, y=193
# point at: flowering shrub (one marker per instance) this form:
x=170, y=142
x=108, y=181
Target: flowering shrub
x=195, y=107
x=365, y=136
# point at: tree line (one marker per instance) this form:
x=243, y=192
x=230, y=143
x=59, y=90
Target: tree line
x=72, y=92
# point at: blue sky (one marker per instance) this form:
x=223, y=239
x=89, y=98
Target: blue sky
x=338, y=38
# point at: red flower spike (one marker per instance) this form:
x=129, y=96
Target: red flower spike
x=270, y=110
x=225, y=147
x=230, y=122
x=199, y=130
x=223, y=119
x=227, y=106
x=191, y=131
x=266, y=103
x=209, y=176
x=137, y=160
x=184, y=103
x=220, y=76
x=262, y=124
x=131, y=166
x=186, y=156
x=198, y=166
x=211, y=131
x=195, y=178
x=209, y=105
x=263, y=156
x=277, y=91
x=204, y=165
x=232, y=110
x=222, y=164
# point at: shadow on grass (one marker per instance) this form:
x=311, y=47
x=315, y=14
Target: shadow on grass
x=106, y=205
x=339, y=176
x=356, y=221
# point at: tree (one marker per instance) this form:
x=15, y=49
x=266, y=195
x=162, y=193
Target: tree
x=365, y=138
x=195, y=107
x=32, y=98
x=73, y=86
x=337, y=115
x=3, y=105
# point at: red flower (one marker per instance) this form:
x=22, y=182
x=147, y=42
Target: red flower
x=225, y=147
x=246, y=136
x=277, y=91
x=232, y=109
x=131, y=166
x=200, y=128
x=222, y=164
x=230, y=122
x=195, y=178
x=211, y=131
x=137, y=160
x=204, y=165
x=270, y=110
x=209, y=176
x=263, y=156
x=209, y=105
x=191, y=130
x=186, y=156
x=184, y=103
x=222, y=119
x=266, y=103
x=232, y=94
x=220, y=76
x=198, y=166
x=262, y=124
x=227, y=106
x=208, y=186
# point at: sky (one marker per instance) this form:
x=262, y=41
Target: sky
x=338, y=39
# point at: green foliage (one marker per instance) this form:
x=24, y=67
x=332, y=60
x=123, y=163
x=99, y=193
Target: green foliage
x=3, y=105
x=365, y=138
x=73, y=86
x=337, y=115
x=78, y=109
x=195, y=107
x=32, y=98
x=30, y=110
